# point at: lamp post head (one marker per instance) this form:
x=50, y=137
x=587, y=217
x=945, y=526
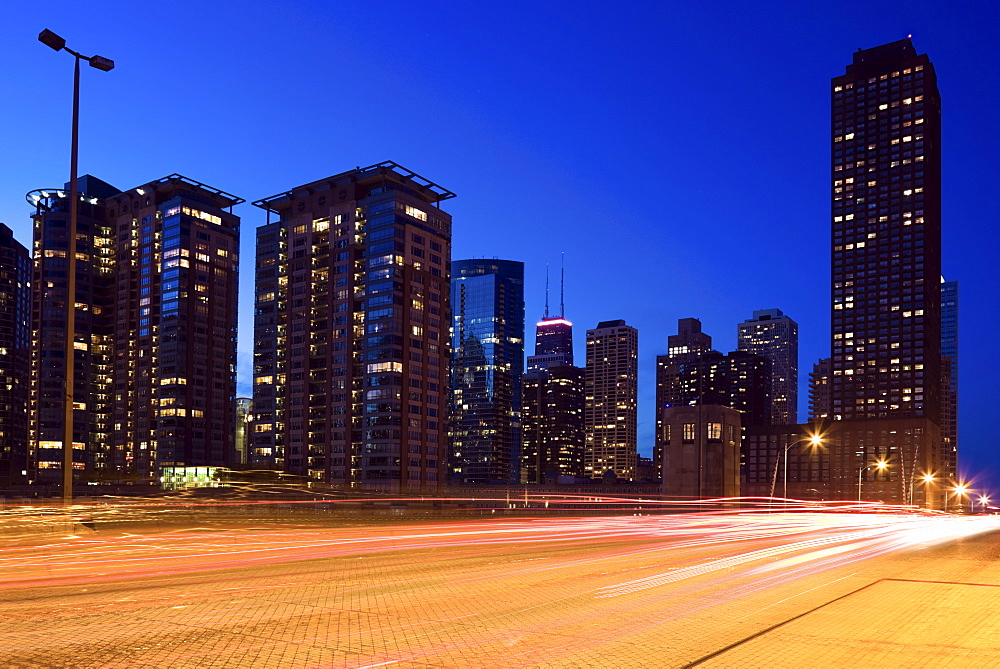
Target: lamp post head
x=51, y=40
x=102, y=63
x=816, y=440
x=928, y=478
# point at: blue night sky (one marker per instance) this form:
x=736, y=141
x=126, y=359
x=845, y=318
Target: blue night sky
x=677, y=153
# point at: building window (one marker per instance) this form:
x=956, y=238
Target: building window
x=687, y=430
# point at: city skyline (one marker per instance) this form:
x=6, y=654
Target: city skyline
x=580, y=217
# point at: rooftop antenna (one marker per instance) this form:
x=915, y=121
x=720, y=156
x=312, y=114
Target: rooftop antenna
x=546, y=290
x=562, y=286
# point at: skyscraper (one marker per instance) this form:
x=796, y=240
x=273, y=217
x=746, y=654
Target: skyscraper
x=554, y=391
x=886, y=263
x=610, y=416
x=487, y=362
x=949, y=367
x=350, y=331
x=155, y=330
x=15, y=273
x=886, y=242
x=554, y=435
x=775, y=336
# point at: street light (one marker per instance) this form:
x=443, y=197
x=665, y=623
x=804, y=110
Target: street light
x=813, y=440
x=880, y=466
x=927, y=480
x=983, y=501
x=50, y=39
x=960, y=489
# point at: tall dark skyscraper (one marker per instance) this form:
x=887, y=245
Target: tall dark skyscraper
x=886, y=377
x=610, y=415
x=553, y=335
x=155, y=335
x=775, y=336
x=554, y=392
x=487, y=362
x=949, y=367
x=350, y=330
x=15, y=279
x=886, y=243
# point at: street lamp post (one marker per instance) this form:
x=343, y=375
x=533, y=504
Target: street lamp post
x=960, y=489
x=814, y=440
x=880, y=465
x=50, y=39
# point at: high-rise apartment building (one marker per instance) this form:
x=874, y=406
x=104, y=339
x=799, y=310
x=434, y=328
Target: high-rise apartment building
x=775, y=336
x=487, y=362
x=886, y=242
x=610, y=415
x=886, y=263
x=155, y=328
x=15, y=279
x=351, y=330
x=820, y=402
x=949, y=367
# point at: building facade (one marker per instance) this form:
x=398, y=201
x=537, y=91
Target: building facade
x=775, y=336
x=949, y=368
x=15, y=280
x=701, y=451
x=155, y=329
x=554, y=434
x=351, y=330
x=820, y=401
x=610, y=414
x=694, y=374
x=486, y=367
x=886, y=254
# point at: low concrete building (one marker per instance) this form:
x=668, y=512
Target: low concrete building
x=701, y=454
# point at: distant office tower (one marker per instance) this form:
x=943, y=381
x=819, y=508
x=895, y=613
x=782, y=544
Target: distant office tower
x=487, y=362
x=688, y=344
x=949, y=367
x=610, y=416
x=155, y=328
x=243, y=426
x=701, y=451
x=554, y=434
x=351, y=328
x=772, y=334
x=697, y=375
x=886, y=258
x=820, y=401
x=15, y=273
x=554, y=392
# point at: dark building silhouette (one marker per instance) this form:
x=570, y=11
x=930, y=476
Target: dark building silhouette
x=949, y=368
x=487, y=363
x=886, y=254
x=15, y=279
x=775, y=336
x=351, y=330
x=155, y=331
